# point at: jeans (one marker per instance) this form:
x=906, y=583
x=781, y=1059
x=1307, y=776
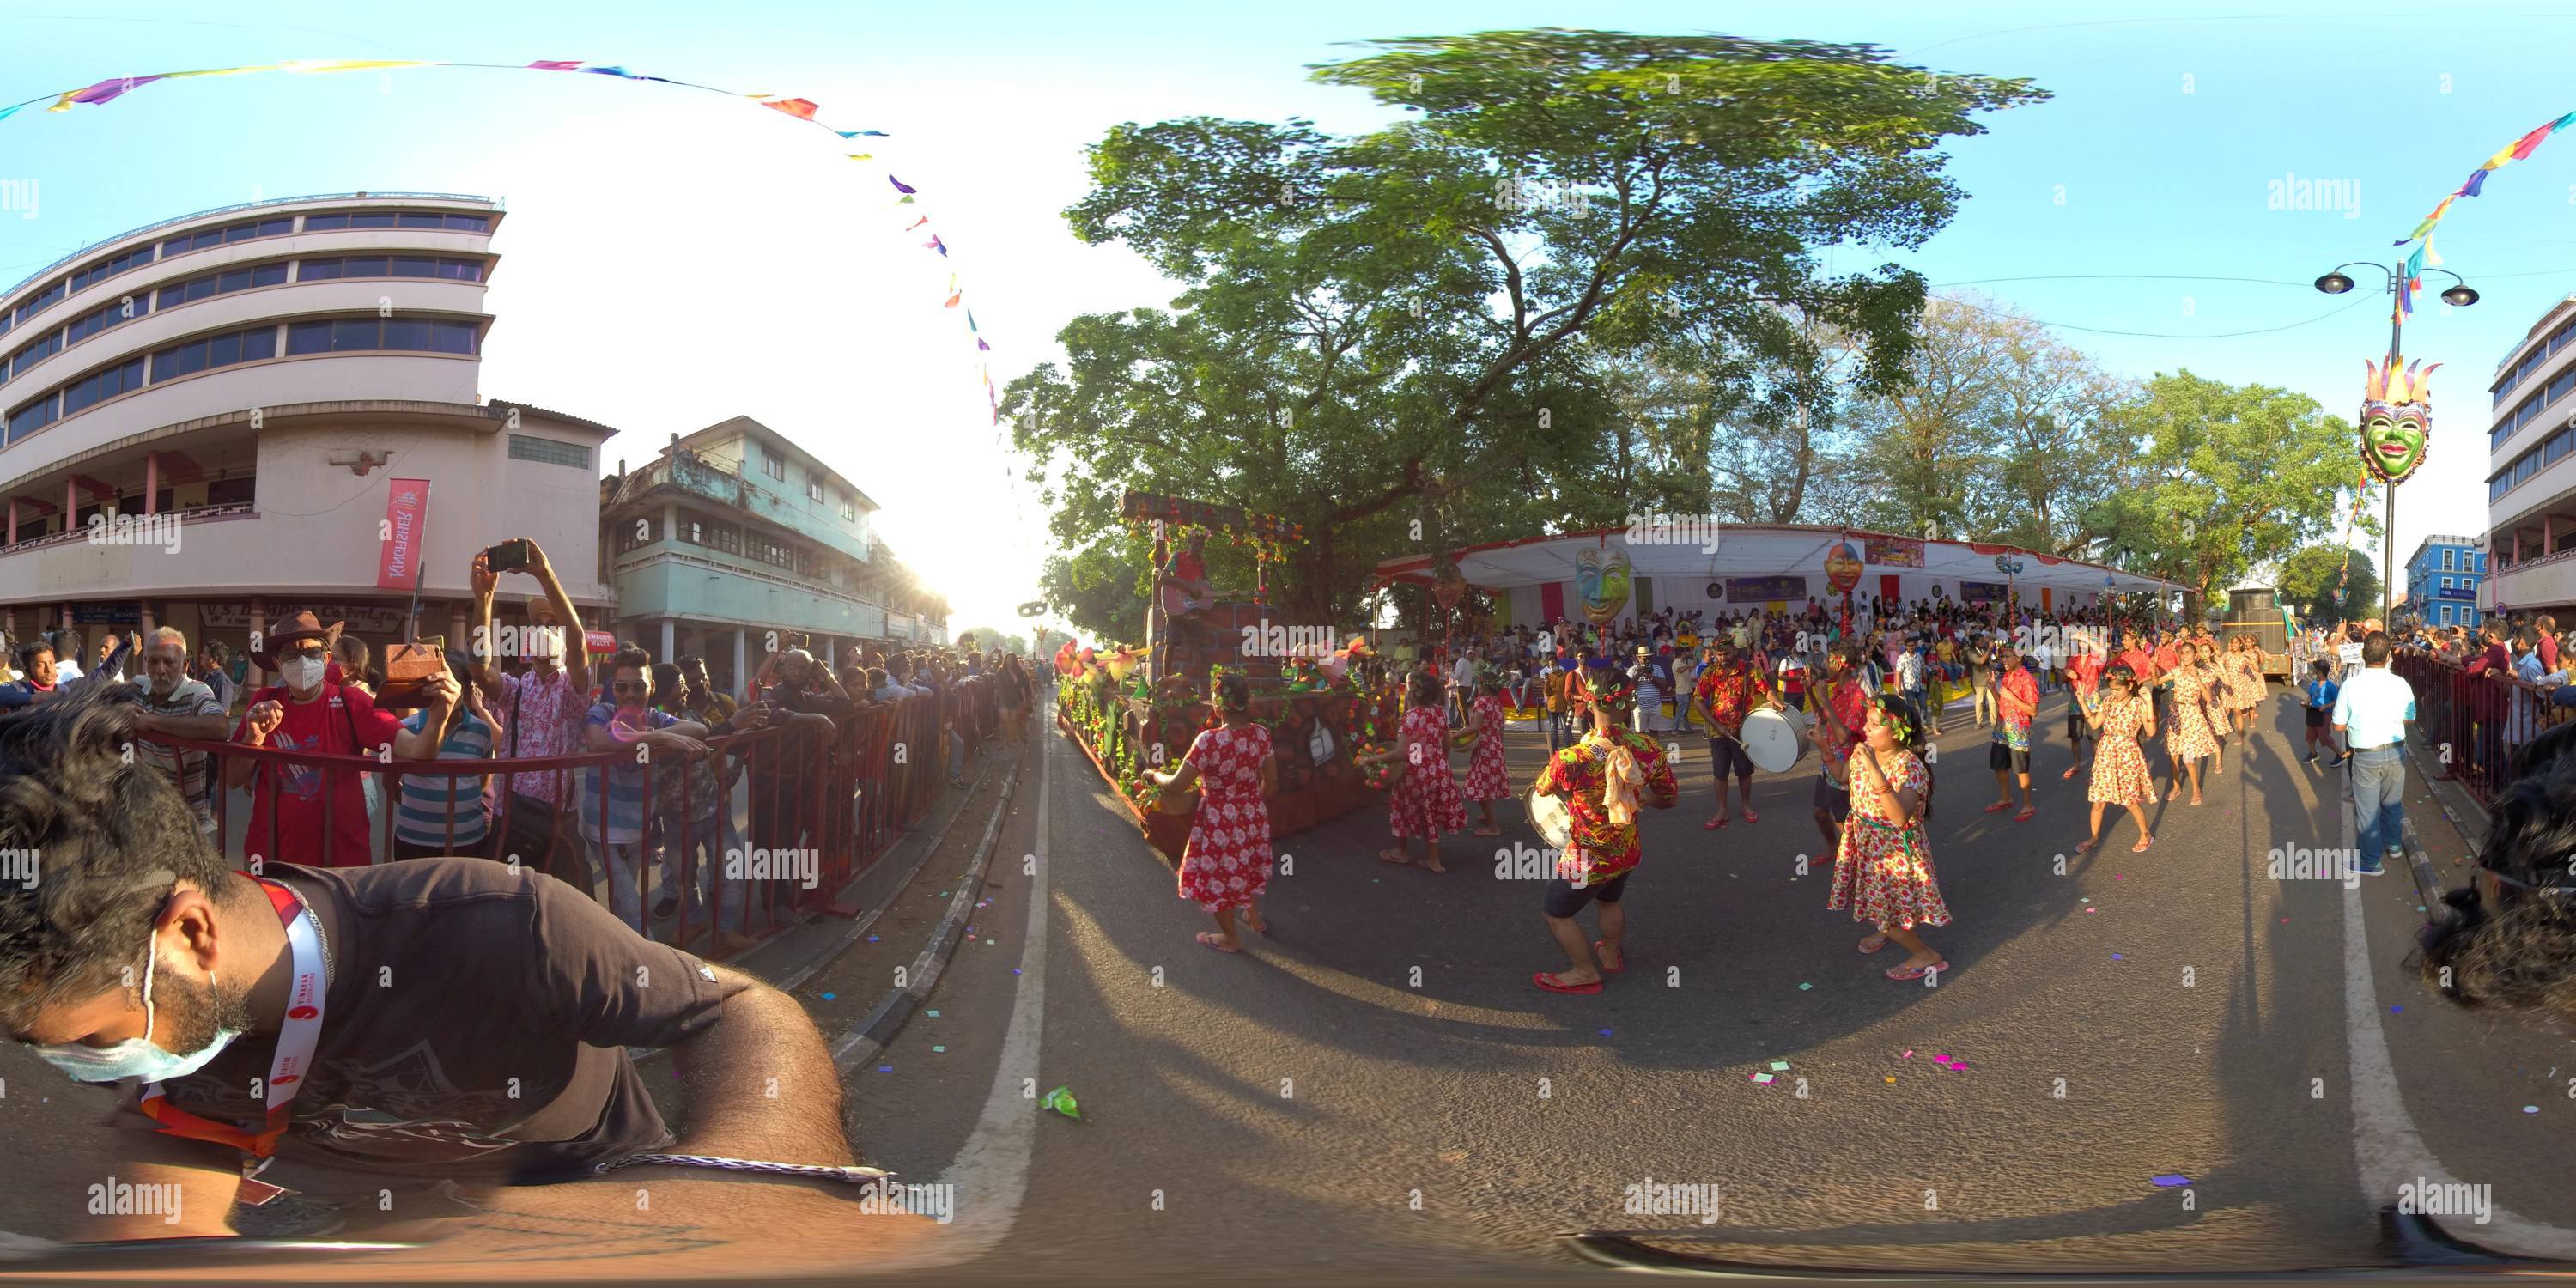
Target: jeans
x=621, y=860
x=1922, y=699
x=2378, y=796
x=705, y=842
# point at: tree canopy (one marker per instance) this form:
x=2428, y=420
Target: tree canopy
x=1412, y=338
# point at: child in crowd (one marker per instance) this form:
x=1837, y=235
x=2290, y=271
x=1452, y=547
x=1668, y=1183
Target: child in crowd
x=2321, y=701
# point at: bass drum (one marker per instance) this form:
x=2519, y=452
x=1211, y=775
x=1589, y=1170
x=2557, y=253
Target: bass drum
x=1775, y=740
x=1549, y=817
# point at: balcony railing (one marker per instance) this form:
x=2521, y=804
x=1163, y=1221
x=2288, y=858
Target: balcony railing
x=92, y=248
x=187, y=518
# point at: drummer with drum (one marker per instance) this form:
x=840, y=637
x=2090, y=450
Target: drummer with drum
x=1586, y=803
x=1844, y=705
x=1726, y=695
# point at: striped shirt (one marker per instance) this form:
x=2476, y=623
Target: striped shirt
x=625, y=787
x=420, y=817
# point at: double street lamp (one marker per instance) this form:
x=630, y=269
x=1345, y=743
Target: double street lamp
x=2461, y=295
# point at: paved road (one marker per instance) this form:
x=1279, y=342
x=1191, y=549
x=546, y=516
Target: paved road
x=1376, y=1086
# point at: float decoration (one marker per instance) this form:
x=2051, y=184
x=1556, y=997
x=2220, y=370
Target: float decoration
x=2396, y=417
x=1601, y=574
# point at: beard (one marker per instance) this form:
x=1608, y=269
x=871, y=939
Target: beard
x=191, y=1012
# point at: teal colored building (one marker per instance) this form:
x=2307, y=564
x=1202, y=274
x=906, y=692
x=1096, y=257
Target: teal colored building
x=733, y=535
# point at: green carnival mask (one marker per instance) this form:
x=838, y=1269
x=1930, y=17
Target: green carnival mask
x=2396, y=418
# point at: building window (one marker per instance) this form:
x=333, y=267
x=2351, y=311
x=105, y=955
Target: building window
x=525, y=448
x=107, y=268
x=346, y=335
x=32, y=417
x=398, y=219
x=49, y=297
x=814, y=489
x=207, y=352
x=98, y=387
x=422, y=266
x=226, y=236
x=27, y=358
x=2447, y=557
x=776, y=467
x=635, y=534
x=849, y=512
x=223, y=283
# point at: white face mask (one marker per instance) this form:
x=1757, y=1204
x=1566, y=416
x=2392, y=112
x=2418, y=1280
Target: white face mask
x=136, y=1057
x=302, y=674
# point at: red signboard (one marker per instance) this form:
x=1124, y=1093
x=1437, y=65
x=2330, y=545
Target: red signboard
x=406, y=521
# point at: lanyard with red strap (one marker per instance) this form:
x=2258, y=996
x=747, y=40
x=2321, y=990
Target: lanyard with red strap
x=301, y=1032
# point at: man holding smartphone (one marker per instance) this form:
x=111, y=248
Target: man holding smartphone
x=543, y=711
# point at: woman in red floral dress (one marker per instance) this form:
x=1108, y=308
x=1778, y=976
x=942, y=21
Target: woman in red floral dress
x=2198, y=716
x=2119, y=767
x=1424, y=801
x=1226, y=864
x=1488, y=780
x=2248, y=657
x=1883, y=869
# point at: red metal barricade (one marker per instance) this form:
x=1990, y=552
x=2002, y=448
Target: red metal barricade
x=2476, y=723
x=823, y=802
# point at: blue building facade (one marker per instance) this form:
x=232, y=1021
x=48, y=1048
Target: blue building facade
x=2442, y=580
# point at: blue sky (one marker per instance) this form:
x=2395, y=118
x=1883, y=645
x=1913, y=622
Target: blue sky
x=673, y=258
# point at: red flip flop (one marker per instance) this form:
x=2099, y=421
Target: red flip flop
x=1750, y=816
x=1999, y=805
x=1209, y=938
x=1916, y=972
x=1714, y=824
x=1623, y=957
x=1547, y=981
x=2025, y=816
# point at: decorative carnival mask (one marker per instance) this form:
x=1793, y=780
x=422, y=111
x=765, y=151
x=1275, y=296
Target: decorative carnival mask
x=1601, y=574
x=2396, y=418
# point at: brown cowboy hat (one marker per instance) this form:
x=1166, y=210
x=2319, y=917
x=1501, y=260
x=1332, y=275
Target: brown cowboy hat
x=290, y=628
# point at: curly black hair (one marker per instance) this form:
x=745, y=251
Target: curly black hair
x=111, y=838
x=2519, y=953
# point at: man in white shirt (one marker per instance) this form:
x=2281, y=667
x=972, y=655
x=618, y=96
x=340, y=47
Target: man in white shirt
x=1462, y=686
x=67, y=656
x=2371, y=713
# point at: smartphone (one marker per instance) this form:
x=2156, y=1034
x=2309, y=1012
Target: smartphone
x=507, y=556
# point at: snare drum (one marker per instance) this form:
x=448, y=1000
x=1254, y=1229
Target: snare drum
x=1775, y=739
x=1549, y=817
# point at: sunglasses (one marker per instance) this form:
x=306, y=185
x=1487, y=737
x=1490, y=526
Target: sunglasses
x=307, y=653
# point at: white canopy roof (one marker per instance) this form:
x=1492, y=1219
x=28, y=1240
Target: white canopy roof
x=1681, y=554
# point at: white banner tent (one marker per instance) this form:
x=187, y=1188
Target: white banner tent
x=1769, y=567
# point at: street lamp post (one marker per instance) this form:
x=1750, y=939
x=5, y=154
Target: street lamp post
x=2460, y=295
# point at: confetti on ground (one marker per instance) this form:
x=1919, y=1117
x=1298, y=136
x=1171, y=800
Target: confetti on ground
x=827, y=997
x=940, y=1049
x=1804, y=987
x=1909, y=1054
x=2395, y=1009
x=1763, y=1078
x=1061, y=1100
x=2531, y=1109
x=2170, y=1180
x=1891, y=1079
x=2092, y=910
x=1015, y=970
x=933, y=1014
x=1605, y=1033
x=885, y=1068
x=1779, y=1066
x=872, y=939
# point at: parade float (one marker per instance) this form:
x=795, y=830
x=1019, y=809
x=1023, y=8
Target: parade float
x=1128, y=719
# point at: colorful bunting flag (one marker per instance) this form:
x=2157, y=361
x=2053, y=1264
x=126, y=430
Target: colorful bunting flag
x=935, y=244
x=901, y=186
x=802, y=109
x=916, y=223
x=952, y=300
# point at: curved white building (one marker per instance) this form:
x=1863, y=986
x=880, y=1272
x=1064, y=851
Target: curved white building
x=203, y=417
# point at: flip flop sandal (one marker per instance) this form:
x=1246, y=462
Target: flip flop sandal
x=1882, y=943
x=1623, y=958
x=1915, y=972
x=1209, y=937
x=1713, y=824
x=1751, y=817
x=2141, y=847
x=1547, y=981
x=2026, y=816
x=1999, y=805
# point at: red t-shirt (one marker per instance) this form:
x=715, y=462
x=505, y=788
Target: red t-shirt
x=2139, y=663
x=342, y=721
x=2165, y=659
x=2085, y=669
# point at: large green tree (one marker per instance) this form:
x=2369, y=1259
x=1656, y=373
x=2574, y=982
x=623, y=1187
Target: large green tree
x=1398, y=338
x=2211, y=478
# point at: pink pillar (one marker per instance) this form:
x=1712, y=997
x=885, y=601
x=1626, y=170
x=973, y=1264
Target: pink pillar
x=13, y=520
x=71, y=506
x=151, y=482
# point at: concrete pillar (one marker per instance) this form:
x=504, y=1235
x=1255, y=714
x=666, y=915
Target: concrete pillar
x=830, y=648
x=151, y=482
x=13, y=520
x=741, y=676
x=670, y=521
x=670, y=640
x=256, y=677
x=71, y=505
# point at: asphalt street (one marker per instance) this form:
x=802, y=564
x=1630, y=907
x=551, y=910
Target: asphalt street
x=1375, y=1087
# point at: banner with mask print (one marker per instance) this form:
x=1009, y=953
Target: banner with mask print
x=399, y=540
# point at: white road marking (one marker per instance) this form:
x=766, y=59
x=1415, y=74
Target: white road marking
x=991, y=1174
x=2385, y=1145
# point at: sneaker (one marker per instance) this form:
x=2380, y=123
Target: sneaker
x=2370, y=868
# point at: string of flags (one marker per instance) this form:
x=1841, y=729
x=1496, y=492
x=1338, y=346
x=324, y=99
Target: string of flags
x=802, y=109
x=2424, y=255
